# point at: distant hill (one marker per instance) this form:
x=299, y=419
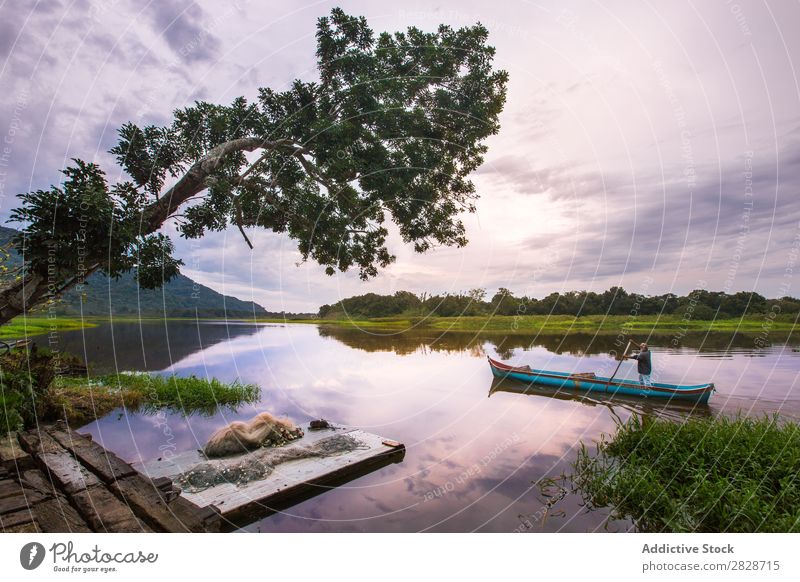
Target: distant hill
x=181, y=297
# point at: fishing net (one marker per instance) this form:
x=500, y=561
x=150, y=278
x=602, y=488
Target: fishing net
x=261, y=463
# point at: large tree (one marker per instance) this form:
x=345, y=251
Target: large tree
x=391, y=129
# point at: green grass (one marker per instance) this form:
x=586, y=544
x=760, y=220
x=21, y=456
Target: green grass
x=25, y=326
x=190, y=393
x=84, y=400
x=701, y=475
x=567, y=323
x=609, y=323
x=524, y=324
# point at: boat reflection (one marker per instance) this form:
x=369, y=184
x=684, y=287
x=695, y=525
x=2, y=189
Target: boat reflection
x=673, y=409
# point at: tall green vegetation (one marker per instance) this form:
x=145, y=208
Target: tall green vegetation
x=697, y=305
x=701, y=475
x=42, y=386
x=25, y=377
x=82, y=399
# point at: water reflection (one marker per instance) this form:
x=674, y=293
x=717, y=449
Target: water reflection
x=663, y=409
x=146, y=345
x=471, y=461
x=713, y=344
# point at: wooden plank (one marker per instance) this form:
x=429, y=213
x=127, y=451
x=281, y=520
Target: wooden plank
x=60, y=465
x=20, y=501
x=38, y=481
x=36, y=442
x=41, y=489
x=9, y=487
x=290, y=496
x=16, y=518
x=210, y=517
x=290, y=480
x=9, y=447
x=29, y=527
x=18, y=464
x=12, y=456
x=101, y=461
x=58, y=516
x=146, y=500
x=105, y=513
x=70, y=475
x=165, y=487
x=229, y=497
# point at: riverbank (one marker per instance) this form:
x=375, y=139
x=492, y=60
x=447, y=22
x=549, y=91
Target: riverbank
x=21, y=327
x=524, y=324
x=527, y=324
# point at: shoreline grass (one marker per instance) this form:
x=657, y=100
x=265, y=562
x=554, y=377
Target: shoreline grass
x=527, y=324
x=700, y=475
x=27, y=326
x=83, y=399
x=524, y=324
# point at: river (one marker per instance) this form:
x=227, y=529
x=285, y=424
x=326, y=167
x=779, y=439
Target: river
x=475, y=447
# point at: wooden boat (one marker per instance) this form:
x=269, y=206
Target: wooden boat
x=589, y=382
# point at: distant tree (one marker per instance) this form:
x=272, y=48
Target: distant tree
x=504, y=303
x=392, y=129
x=743, y=303
x=477, y=295
x=407, y=302
x=785, y=305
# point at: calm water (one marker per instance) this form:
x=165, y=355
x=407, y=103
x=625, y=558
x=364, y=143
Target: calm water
x=475, y=447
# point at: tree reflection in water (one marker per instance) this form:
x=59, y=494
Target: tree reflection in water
x=714, y=344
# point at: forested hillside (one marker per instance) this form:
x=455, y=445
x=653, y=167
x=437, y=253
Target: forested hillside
x=181, y=297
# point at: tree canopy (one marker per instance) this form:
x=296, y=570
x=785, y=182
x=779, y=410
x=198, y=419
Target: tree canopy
x=391, y=130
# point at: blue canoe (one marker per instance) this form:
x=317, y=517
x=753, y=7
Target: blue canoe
x=588, y=382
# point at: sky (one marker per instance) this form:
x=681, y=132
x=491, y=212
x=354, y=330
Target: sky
x=645, y=144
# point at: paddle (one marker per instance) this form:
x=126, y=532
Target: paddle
x=625, y=353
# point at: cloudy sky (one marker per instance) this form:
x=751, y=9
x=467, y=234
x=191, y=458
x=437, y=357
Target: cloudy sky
x=650, y=145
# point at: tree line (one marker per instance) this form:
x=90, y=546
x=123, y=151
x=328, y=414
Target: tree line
x=698, y=304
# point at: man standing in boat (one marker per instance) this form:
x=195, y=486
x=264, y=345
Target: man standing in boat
x=645, y=364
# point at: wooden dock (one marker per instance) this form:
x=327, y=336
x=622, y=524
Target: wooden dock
x=56, y=480
x=289, y=483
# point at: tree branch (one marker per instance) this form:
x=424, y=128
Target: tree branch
x=313, y=171
x=194, y=180
x=239, y=220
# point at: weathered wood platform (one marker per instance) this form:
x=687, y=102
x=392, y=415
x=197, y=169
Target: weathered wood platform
x=289, y=483
x=56, y=480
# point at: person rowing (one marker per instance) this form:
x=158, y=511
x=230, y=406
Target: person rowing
x=645, y=364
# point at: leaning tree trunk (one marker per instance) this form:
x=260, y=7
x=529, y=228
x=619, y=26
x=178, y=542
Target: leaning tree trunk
x=20, y=296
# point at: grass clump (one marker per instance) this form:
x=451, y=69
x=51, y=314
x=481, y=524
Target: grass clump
x=701, y=475
x=43, y=386
x=83, y=400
